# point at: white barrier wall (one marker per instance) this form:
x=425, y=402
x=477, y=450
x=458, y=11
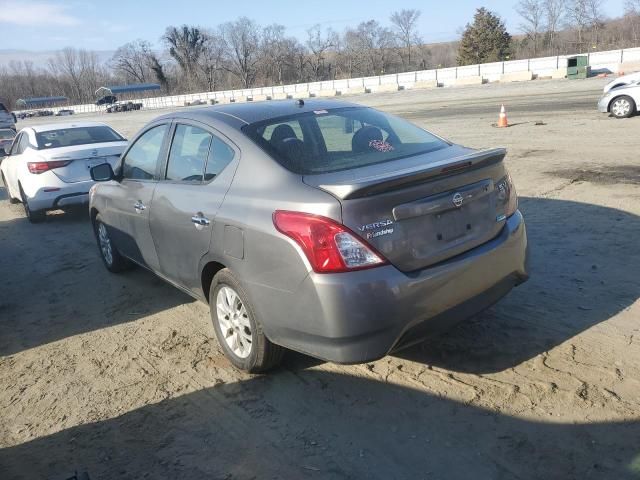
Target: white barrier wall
x=611, y=61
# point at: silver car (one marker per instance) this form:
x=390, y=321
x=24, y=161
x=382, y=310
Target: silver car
x=319, y=226
x=621, y=101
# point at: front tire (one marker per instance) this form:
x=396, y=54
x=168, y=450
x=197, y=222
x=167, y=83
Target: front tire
x=12, y=200
x=238, y=331
x=34, y=216
x=623, y=107
x=111, y=258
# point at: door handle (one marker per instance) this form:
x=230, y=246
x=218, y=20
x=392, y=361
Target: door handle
x=200, y=220
x=139, y=206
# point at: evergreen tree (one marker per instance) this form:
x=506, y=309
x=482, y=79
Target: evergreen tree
x=485, y=40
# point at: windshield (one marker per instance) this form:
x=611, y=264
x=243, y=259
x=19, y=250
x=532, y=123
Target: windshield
x=67, y=137
x=340, y=139
x=7, y=134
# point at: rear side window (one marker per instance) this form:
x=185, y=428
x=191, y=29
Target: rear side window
x=340, y=139
x=220, y=156
x=142, y=158
x=24, y=143
x=188, y=155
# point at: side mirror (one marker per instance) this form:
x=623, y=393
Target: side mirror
x=102, y=173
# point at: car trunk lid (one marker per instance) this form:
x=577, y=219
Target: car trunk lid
x=82, y=158
x=421, y=210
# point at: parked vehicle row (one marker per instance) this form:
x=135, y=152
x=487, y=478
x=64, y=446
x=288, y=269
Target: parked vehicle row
x=124, y=107
x=324, y=227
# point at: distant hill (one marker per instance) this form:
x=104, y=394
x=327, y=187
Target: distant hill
x=41, y=58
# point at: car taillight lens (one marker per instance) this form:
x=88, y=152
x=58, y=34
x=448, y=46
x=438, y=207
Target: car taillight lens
x=507, y=196
x=41, y=167
x=329, y=246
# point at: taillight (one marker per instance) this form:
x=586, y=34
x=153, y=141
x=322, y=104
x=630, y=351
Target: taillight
x=41, y=167
x=329, y=246
x=507, y=195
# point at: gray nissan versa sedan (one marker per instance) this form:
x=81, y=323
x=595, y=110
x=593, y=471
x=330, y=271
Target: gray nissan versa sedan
x=320, y=226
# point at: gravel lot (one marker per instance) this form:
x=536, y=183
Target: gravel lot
x=120, y=376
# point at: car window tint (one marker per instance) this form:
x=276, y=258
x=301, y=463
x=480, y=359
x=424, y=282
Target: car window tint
x=279, y=131
x=220, y=156
x=342, y=139
x=188, y=155
x=142, y=158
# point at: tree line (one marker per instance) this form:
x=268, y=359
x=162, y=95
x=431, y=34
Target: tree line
x=243, y=53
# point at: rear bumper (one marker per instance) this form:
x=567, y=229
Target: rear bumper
x=361, y=316
x=58, y=194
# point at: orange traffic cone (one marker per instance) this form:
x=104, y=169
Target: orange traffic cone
x=502, y=119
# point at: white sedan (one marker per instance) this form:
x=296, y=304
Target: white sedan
x=47, y=167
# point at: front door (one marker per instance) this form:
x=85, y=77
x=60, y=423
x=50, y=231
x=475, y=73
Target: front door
x=130, y=201
x=187, y=198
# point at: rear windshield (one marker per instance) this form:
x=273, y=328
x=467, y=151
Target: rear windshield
x=340, y=139
x=67, y=137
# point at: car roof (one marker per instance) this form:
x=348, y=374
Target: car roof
x=239, y=114
x=59, y=126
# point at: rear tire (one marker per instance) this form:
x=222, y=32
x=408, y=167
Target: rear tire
x=237, y=328
x=111, y=258
x=34, y=216
x=622, y=107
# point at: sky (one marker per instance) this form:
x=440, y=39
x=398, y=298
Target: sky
x=45, y=25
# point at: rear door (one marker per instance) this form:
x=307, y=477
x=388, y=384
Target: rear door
x=13, y=162
x=198, y=173
x=130, y=201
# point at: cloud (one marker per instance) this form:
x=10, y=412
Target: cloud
x=31, y=14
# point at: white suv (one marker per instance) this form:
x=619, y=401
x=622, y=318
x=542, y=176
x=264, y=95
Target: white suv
x=48, y=166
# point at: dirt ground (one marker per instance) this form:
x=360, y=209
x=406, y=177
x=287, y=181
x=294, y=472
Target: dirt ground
x=120, y=376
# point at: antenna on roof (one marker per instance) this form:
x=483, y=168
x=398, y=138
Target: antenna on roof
x=300, y=102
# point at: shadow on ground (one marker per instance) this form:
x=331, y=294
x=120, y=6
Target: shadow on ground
x=584, y=262
x=56, y=286
x=315, y=424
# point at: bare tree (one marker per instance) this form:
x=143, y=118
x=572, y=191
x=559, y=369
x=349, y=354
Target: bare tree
x=186, y=45
x=277, y=52
x=532, y=13
x=579, y=19
x=320, y=44
x=596, y=20
x=632, y=17
x=131, y=60
x=242, y=40
x=554, y=12
x=405, y=23
x=211, y=60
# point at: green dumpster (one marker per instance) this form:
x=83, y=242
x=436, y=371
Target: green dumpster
x=577, y=67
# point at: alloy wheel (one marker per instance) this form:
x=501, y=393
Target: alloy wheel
x=234, y=322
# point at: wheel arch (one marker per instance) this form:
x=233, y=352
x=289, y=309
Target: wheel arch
x=206, y=276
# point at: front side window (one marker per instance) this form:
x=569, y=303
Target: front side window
x=188, y=155
x=340, y=139
x=67, y=137
x=142, y=158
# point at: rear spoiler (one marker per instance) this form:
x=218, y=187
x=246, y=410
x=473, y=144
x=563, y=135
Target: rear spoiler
x=362, y=187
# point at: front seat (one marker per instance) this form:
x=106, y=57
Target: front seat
x=361, y=140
